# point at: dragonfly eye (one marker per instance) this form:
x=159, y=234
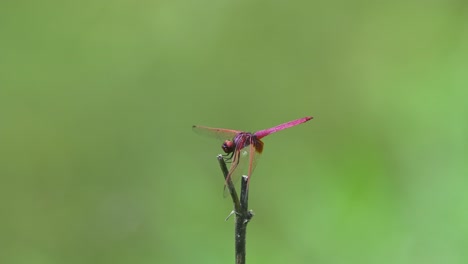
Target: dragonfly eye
x=228, y=146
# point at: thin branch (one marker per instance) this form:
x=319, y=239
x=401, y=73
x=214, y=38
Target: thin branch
x=244, y=196
x=230, y=185
x=243, y=215
x=242, y=219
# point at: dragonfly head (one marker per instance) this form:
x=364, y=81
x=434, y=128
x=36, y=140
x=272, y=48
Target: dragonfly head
x=228, y=146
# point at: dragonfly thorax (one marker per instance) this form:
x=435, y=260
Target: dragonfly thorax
x=241, y=141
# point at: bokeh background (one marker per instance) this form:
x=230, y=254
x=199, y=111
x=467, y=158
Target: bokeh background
x=98, y=162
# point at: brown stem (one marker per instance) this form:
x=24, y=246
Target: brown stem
x=243, y=215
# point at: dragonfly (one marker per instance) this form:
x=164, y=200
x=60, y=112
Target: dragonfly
x=243, y=148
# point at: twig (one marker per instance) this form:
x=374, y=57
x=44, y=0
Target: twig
x=230, y=185
x=243, y=215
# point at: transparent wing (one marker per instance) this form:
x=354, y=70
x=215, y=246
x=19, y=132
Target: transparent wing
x=219, y=133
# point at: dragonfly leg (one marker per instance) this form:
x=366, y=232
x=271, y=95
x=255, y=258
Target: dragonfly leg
x=228, y=157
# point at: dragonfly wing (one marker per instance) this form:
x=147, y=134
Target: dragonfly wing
x=219, y=133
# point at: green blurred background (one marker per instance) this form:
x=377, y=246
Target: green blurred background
x=98, y=162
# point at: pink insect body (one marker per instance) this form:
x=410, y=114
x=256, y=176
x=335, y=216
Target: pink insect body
x=243, y=148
